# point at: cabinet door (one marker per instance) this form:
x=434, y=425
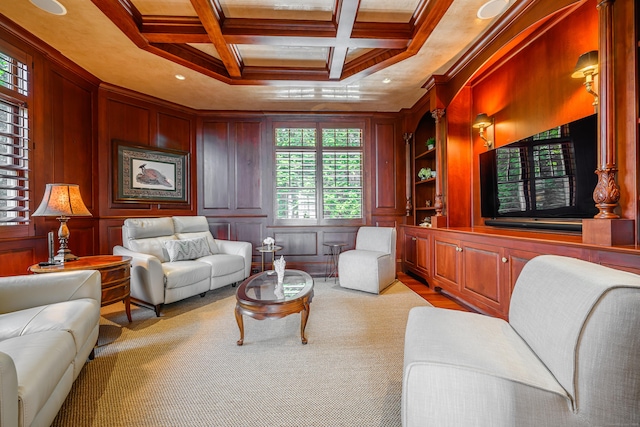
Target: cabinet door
x=482, y=283
x=446, y=263
x=514, y=260
x=422, y=253
x=625, y=262
x=409, y=250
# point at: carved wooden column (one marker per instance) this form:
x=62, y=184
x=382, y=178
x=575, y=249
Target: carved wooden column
x=409, y=177
x=607, y=193
x=439, y=220
x=606, y=228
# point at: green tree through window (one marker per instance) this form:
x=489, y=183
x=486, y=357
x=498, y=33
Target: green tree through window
x=302, y=158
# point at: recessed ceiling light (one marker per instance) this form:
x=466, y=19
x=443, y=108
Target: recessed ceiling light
x=180, y=77
x=52, y=6
x=492, y=8
x=386, y=80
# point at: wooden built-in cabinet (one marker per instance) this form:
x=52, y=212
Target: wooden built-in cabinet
x=480, y=266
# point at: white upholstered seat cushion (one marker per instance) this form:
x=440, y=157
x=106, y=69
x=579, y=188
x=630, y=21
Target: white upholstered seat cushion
x=185, y=273
x=223, y=264
x=457, y=364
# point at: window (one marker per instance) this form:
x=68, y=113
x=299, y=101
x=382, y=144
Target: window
x=319, y=172
x=14, y=141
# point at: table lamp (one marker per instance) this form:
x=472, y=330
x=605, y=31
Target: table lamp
x=63, y=201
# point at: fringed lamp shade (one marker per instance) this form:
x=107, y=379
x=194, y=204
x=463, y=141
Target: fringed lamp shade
x=62, y=201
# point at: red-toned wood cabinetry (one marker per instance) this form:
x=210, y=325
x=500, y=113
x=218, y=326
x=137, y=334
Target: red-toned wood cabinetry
x=416, y=250
x=471, y=270
x=447, y=262
x=480, y=266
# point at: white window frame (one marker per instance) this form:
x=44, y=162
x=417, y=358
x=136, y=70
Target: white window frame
x=317, y=151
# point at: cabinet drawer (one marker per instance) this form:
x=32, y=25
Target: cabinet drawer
x=115, y=292
x=114, y=274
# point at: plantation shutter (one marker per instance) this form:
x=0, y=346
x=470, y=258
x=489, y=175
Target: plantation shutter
x=14, y=139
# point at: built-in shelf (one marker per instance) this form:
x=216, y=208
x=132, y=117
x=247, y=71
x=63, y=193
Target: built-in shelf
x=424, y=181
x=427, y=153
x=424, y=190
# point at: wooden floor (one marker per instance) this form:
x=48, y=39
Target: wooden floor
x=434, y=298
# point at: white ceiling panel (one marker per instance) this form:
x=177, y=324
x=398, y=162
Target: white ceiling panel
x=276, y=9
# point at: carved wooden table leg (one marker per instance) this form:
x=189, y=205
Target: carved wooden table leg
x=240, y=325
x=127, y=307
x=304, y=315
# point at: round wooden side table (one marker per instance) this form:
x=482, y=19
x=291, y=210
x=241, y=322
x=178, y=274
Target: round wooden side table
x=114, y=272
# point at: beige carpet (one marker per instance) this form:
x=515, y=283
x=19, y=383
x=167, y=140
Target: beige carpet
x=185, y=369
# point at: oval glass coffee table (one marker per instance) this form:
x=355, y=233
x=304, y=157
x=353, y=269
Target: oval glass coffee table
x=261, y=297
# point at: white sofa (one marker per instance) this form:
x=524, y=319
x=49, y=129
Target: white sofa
x=48, y=328
x=162, y=272
x=371, y=266
x=569, y=355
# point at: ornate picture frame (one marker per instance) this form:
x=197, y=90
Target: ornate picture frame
x=145, y=174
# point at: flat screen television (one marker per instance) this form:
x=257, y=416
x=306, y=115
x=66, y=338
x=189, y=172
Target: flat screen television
x=544, y=181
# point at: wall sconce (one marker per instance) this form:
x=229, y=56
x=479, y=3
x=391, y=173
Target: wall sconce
x=63, y=201
x=482, y=122
x=587, y=68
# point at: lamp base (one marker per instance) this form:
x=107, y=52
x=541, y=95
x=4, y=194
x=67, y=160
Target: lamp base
x=64, y=255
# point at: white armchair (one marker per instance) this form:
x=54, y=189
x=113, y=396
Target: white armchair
x=371, y=266
x=567, y=357
x=174, y=258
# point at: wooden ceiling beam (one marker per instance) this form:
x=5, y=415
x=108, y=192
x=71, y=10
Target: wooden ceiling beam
x=209, y=18
x=170, y=36
x=427, y=16
x=192, y=58
x=173, y=29
x=126, y=17
x=188, y=29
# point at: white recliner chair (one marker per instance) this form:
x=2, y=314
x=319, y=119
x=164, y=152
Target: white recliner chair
x=371, y=266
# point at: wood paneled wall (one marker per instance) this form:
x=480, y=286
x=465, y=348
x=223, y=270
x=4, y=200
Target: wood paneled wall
x=237, y=172
x=141, y=120
x=63, y=135
x=533, y=91
x=76, y=118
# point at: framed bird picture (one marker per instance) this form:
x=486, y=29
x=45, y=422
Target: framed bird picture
x=147, y=174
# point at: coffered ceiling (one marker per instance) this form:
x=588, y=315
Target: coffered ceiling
x=266, y=55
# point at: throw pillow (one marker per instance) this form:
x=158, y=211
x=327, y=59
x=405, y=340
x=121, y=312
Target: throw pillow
x=182, y=250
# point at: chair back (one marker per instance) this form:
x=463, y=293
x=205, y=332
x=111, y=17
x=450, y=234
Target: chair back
x=146, y=235
x=583, y=321
x=190, y=224
x=192, y=227
x=379, y=239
